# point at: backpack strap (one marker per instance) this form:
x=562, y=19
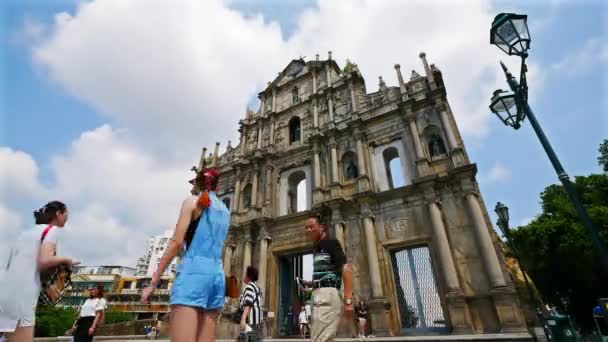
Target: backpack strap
x=45, y=232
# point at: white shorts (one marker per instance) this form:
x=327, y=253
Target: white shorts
x=10, y=321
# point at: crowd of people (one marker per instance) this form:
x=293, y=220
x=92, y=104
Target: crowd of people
x=199, y=290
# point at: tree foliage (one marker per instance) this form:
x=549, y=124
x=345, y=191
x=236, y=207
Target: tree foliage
x=349, y=66
x=603, y=157
x=53, y=321
x=558, y=252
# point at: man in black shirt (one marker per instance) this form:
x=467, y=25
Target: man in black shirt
x=330, y=270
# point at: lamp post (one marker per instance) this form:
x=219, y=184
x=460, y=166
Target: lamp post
x=503, y=223
x=510, y=33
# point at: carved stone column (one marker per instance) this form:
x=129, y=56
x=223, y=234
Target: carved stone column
x=334, y=163
x=228, y=252
x=443, y=249
x=264, y=240
x=328, y=71
x=254, y=188
x=237, y=192
x=362, y=180
x=330, y=106
x=315, y=113
x=268, y=185
x=246, y=251
x=422, y=165
x=317, y=169
x=376, y=303
x=456, y=152
x=428, y=72
x=400, y=78
x=259, y=142
x=372, y=252
x=445, y=121
x=361, y=157
x=416, y=137
x=274, y=100
x=314, y=81
x=272, y=131
x=353, y=97
x=338, y=226
x=263, y=104
x=486, y=246
x=243, y=141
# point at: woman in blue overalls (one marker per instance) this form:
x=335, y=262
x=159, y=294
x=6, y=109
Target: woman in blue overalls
x=199, y=288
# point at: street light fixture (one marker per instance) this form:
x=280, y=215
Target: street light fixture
x=504, y=106
x=510, y=33
x=503, y=218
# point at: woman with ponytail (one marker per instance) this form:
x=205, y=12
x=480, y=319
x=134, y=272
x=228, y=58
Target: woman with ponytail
x=34, y=251
x=199, y=288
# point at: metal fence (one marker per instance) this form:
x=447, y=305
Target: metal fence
x=418, y=298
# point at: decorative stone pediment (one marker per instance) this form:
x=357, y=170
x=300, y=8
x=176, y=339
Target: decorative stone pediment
x=396, y=227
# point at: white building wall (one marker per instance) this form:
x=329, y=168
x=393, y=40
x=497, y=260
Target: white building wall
x=156, y=247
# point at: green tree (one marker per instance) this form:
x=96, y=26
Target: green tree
x=349, y=66
x=557, y=250
x=603, y=158
x=52, y=321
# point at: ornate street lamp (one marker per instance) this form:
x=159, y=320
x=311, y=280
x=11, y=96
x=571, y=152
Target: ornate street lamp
x=503, y=218
x=504, y=106
x=502, y=211
x=510, y=33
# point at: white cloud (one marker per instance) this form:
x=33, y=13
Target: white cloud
x=32, y=31
x=589, y=57
x=117, y=195
x=18, y=175
x=525, y=221
x=497, y=174
x=168, y=71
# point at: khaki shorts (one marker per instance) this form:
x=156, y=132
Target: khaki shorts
x=326, y=314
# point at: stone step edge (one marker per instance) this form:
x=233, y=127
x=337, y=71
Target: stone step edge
x=467, y=337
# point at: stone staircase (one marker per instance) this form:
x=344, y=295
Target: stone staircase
x=435, y=338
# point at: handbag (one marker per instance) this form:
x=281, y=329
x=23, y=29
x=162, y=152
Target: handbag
x=232, y=287
x=53, y=281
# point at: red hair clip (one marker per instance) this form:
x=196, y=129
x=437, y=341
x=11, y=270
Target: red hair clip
x=204, y=201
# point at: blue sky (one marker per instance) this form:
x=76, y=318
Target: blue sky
x=65, y=116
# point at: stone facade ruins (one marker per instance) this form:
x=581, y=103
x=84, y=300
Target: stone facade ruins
x=405, y=204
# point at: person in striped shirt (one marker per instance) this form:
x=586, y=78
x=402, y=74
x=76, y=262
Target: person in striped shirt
x=251, y=319
x=330, y=272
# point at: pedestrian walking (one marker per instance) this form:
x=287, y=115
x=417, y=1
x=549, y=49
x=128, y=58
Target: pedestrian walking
x=330, y=270
x=199, y=288
x=251, y=328
x=34, y=251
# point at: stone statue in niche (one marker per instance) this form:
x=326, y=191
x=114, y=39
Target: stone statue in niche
x=351, y=170
x=436, y=146
x=268, y=105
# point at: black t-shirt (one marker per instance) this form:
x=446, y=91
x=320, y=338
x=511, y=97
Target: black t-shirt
x=362, y=311
x=328, y=260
